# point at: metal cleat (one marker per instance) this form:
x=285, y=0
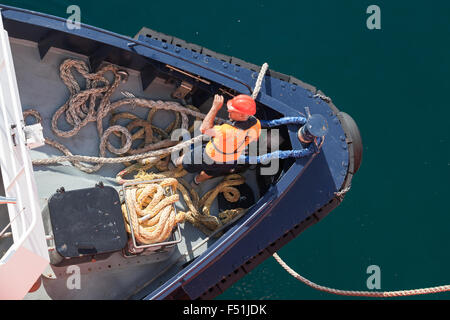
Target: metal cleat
x=184, y=89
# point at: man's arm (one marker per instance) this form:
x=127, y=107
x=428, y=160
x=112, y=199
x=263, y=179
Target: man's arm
x=208, y=122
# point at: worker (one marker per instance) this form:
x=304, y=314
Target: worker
x=228, y=141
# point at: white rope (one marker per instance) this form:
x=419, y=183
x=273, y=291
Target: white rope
x=383, y=294
x=154, y=153
x=258, y=83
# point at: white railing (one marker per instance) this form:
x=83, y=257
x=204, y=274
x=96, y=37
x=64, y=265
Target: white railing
x=15, y=162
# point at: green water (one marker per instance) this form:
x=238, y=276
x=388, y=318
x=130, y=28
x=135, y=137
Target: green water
x=394, y=82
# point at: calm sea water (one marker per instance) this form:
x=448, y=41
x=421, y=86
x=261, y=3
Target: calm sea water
x=394, y=82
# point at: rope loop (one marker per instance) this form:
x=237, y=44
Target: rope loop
x=125, y=134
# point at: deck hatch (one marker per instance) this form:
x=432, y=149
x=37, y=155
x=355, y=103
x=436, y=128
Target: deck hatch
x=87, y=221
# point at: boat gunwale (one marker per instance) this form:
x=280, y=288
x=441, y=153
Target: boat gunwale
x=4, y=8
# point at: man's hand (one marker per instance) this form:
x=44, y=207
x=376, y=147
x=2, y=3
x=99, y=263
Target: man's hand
x=218, y=102
x=208, y=122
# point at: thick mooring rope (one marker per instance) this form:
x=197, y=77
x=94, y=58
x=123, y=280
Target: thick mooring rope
x=198, y=209
x=151, y=213
x=373, y=294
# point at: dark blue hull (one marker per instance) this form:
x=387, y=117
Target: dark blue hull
x=304, y=191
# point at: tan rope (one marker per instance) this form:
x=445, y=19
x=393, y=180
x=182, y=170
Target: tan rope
x=81, y=108
x=160, y=228
x=149, y=154
x=198, y=213
x=383, y=294
x=151, y=215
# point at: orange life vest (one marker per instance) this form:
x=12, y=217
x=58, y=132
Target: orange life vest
x=232, y=139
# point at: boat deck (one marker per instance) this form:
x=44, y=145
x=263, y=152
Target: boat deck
x=41, y=88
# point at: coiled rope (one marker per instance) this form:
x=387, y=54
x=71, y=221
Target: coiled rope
x=82, y=108
x=152, y=214
x=198, y=209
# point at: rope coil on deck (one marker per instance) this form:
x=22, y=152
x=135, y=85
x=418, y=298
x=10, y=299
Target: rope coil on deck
x=152, y=214
x=198, y=209
x=82, y=108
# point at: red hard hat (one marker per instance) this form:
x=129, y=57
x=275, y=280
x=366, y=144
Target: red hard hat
x=243, y=104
